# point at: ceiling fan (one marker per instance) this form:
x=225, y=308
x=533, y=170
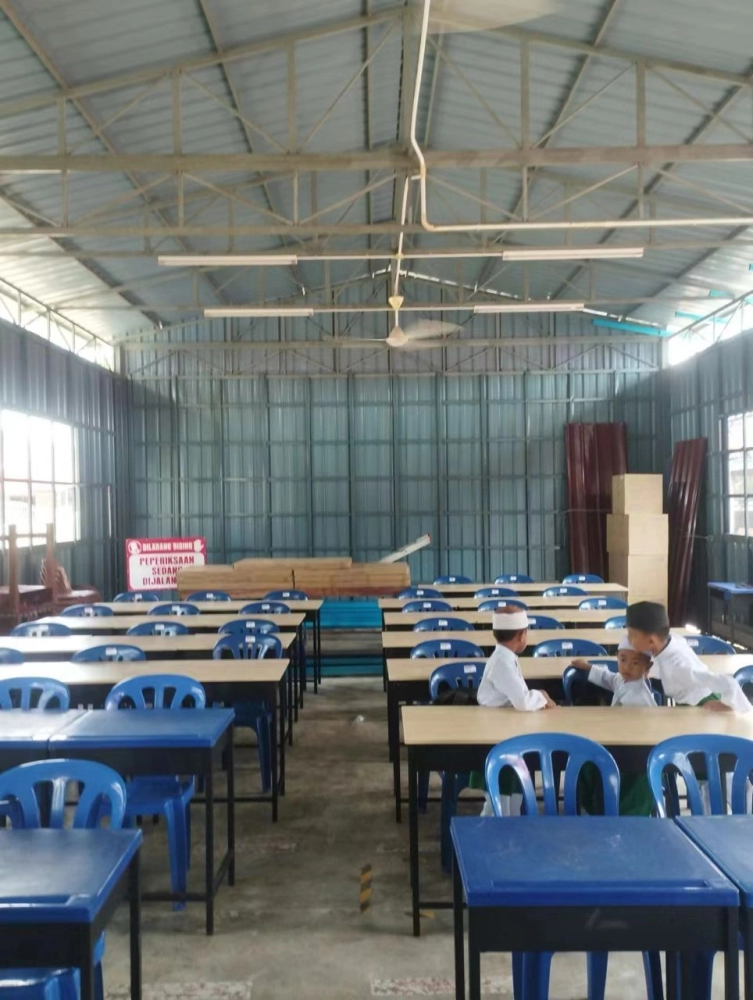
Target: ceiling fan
x=423, y=330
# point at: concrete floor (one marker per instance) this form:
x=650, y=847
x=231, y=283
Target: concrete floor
x=291, y=927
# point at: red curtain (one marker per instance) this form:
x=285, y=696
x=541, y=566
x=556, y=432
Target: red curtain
x=685, y=482
x=595, y=453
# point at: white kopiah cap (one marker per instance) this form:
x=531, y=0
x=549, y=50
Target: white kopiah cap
x=626, y=644
x=512, y=622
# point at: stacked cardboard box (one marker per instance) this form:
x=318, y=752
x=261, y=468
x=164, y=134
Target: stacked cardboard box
x=638, y=537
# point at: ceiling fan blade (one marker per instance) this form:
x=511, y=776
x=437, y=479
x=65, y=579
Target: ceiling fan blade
x=431, y=328
x=483, y=15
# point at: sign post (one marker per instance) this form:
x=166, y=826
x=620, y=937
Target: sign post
x=153, y=563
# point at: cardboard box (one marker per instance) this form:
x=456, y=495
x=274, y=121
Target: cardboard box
x=638, y=534
x=631, y=494
x=646, y=577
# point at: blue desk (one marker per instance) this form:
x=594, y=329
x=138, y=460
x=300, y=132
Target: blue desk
x=729, y=593
x=727, y=841
x=188, y=741
x=58, y=890
x=24, y=735
x=575, y=883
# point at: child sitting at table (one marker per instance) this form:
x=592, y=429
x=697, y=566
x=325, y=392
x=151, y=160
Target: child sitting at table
x=503, y=686
x=684, y=677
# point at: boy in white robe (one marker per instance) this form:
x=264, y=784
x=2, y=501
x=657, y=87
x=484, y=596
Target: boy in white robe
x=630, y=684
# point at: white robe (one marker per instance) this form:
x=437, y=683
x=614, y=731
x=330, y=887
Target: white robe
x=636, y=694
x=502, y=684
x=687, y=681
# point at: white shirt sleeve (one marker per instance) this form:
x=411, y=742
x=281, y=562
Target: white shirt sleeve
x=522, y=698
x=686, y=679
x=503, y=685
x=603, y=677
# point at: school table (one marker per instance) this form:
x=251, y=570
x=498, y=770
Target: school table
x=162, y=741
x=458, y=738
x=58, y=891
x=726, y=841
x=24, y=735
x=533, y=601
x=225, y=681
x=547, y=884
x=402, y=621
x=730, y=593
x=469, y=589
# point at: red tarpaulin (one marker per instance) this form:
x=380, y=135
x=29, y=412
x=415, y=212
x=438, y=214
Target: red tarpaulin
x=685, y=483
x=595, y=453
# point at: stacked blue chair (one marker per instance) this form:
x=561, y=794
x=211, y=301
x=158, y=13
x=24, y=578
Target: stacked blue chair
x=569, y=647
x=544, y=621
x=101, y=792
x=603, y=604
x=444, y=580
x=496, y=592
x=617, y=621
x=531, y=970
x=265, y=607
x=514, y=578
x=501, y=602
x=259, y=626
x=147, y=596
x=10, y=656
x=433, y=604
x=33, y=693
x=168, y=795
x=158, y=628
x=175, y=608
x=709, y=645
x=419, y=592
x=208, y=595
x=446, y=649
x=41, y=630
x=87, y=611
x=286, y=595
x=444, y=625
x=564, y=590
x=583, y=578
x=114, y=652
x=256, y=714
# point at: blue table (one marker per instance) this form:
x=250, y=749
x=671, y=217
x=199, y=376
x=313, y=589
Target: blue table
x=188, y=741
x=58, y=890
x=24, y=735
x=729, y=593
x=727, y=841
x=576, y=883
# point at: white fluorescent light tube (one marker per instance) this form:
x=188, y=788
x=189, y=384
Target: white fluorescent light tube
x=524, y=307
x=226, y=260
x=572, y=253
x=248, y=312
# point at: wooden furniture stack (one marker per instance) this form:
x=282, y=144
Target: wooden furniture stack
x=638, y=537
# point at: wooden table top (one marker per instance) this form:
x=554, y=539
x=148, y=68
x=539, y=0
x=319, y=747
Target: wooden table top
x=207, y=607
x=205, y=671
x=65, y=646
x=470, y=725
x=402, y=619
x=110, y=624
x=539, y=668
x=469, y=589
x=485, y=639
x=471, y=603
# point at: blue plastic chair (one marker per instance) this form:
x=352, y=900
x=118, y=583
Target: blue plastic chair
x=10, y=656
x=618, y=621
x=243, y=625
x=265, y=608
x=38, y=789
x=444, y=625
x=158, y=628
x=709, y=645
x=744, y=677
x=167, y=795
x=446, y=649
x=87, y=611
x=114, y=652
x=415, y=592
x=41, y=630
x=33, y=693
x=176, y=608
x=603, y=604
x=572, y=675
x=416, y=607
x=727, y=791
x=444, y=580
x=138, y=596
x=544, y=621
x=208, y=595
x=514, y=578
x=257, y=713
x=569, y=647
x=564, y=590
x=501, y=602
x=40, y=984
x=496, y=592
x=559, y=785
x=286, y=595
x=582, y=578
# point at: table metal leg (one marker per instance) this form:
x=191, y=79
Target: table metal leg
x=318, y=633
x=732, y=957
x=413, y=838
x=474, y=965
x=297, y=681
x=209, y=846
x=457, y=906
x=230, y=765
x=134, y=905
x=88, y=987
x=287, y=703
x=275, y=750
x=748, y=956
x=282, y=741
x=670, y=960
x=687, y=986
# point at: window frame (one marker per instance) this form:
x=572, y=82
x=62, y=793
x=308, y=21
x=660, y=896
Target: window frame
x=745, y=496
